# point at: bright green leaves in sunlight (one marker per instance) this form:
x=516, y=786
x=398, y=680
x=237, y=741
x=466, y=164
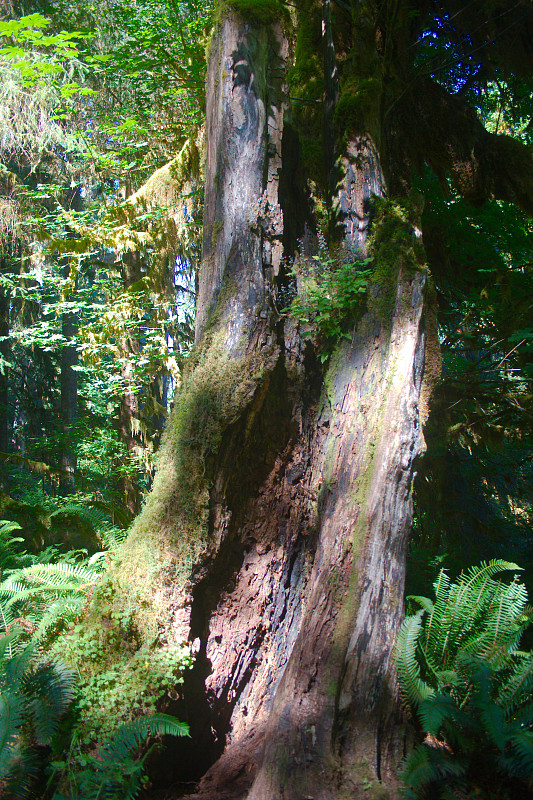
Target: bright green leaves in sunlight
x=36, y=55
x=39, y=74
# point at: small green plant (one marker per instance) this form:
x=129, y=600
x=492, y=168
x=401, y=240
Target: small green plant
x=330, y=296
x=469, y=688
x=131, y=687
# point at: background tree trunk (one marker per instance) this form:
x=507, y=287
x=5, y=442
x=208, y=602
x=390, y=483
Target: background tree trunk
x=69, y=400
x=5, y=350
x=128, y=412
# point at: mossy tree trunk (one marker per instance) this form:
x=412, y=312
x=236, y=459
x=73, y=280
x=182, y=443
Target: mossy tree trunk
x=274, y=537
x=277, y=525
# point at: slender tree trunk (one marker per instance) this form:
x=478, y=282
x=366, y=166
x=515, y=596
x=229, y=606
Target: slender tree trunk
x=69, y=400
x=128, y=414
x=69, y=376
x=4, y=372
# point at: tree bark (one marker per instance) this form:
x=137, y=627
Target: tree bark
x=69, y=400
x=5, y=350
x=128, y=412
x=286, y=491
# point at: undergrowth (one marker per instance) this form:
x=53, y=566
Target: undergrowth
x=468, y=685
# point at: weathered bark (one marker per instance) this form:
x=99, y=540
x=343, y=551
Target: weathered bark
x=294, y=603
x=69, y=401
x=128, y=413
x=5, y=349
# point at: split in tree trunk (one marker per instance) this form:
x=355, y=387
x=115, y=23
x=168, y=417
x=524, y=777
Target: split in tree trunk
x=282, y=502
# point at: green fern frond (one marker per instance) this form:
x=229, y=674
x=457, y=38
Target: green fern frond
x=440, y=711
x=467, y=609
x=442, y=590
x=60, y=574
x=13, y=669
x=6, y=616
x=519, y=683
x=424, y=602
x=119, y=516
x=115, y=774
x=426, y=766
x=113, y=538
x=130, y=735
x=413, y=687
x=95, y=517
x=12, y=710
x=7, y=527
x=22, y=774
x=484, y=707
x=63, y=610
x=519, y=761
x=8, y=644
x=50, y=688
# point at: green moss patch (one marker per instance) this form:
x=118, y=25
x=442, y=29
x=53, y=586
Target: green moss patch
x=358, y=106
x=120, y=678
x=395, y=247
x=172, y=531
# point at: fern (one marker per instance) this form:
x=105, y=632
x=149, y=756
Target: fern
x=45, y=595
x=129, y=736
x=95, y=517
x=427, y=766
x=461, y=670
x=414, y=689
x=441, y=711
x=518, y=683
x=33, y=698
x=12, y=709
x=115, y=774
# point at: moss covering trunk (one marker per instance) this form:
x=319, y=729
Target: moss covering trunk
x=274, y=538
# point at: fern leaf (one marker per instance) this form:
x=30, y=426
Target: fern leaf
x=441, y=710
x=519, y=684
x=12, y=708
x=426, y=766
x=51, y=689
x=95, y=517
x=59, y=574
x=520, y=761
x=63, y=610
x=130, y=735
x=118, y=515
x=7, y=527
x=425, y=603
x=413, y=687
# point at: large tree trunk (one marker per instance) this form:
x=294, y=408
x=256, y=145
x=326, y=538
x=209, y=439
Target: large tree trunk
x=282, y=502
